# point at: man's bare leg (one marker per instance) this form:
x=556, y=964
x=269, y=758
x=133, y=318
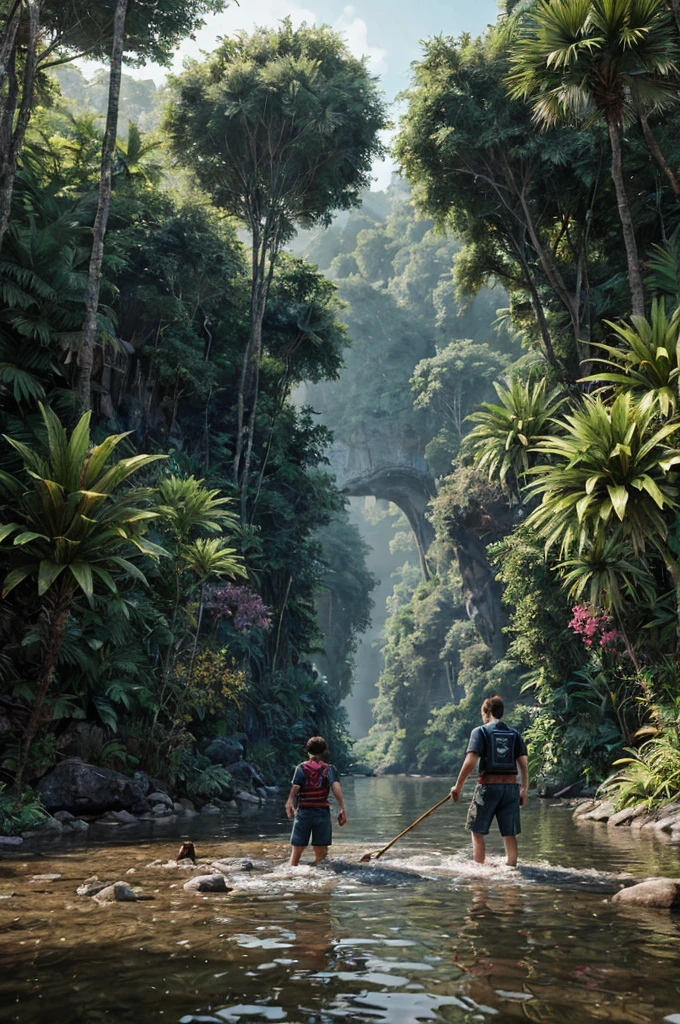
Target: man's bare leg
x=320, y=853
x=478, y=848
x=510, y=851
x=295, y=854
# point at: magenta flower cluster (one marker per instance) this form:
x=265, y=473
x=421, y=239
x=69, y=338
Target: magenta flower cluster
x=595, y=629
x=243, y=606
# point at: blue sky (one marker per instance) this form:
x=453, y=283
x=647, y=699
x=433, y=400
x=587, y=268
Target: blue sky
x=387, y=33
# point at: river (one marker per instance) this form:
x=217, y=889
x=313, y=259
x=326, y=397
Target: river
x=420, y=935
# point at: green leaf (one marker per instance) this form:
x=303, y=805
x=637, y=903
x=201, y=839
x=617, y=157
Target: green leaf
x=82, y=573
x=47, y=574
x=619, y=498
x=15, y=577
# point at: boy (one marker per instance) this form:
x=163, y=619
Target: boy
x=497, y=795
x=312, y=782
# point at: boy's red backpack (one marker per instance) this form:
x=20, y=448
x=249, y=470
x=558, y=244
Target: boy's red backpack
x=315, y=789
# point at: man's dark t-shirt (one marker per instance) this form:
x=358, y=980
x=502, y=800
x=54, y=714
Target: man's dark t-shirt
x=478, y=745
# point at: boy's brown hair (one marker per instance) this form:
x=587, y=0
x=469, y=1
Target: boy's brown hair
x=493, y=706
x=317, y=746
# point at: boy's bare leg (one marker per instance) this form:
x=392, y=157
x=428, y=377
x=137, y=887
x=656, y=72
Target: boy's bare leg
x=510, y=851
x=295, y=854
x=478, y=848
x=320, y=853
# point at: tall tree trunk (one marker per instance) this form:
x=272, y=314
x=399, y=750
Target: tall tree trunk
x=83, y=387
x=637, y=292
x=656, y=151
x=675, y=4
x=55, y=621
x=13, y=125
x=253, y=342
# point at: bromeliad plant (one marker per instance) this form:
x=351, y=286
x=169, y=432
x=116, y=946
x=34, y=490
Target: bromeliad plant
x=506, y=434
x=75, y=528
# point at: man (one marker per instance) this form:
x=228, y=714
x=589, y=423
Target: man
x=312, y=782
x=502, y=753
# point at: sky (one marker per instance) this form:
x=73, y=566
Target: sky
x=386, y=32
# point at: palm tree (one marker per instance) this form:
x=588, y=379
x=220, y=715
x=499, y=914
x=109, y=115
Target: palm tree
x=505, y=436
x=609, y=465
x=646, y=360
x=590, y=60
x=75, y=529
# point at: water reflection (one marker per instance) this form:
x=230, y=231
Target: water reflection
x=423, y=936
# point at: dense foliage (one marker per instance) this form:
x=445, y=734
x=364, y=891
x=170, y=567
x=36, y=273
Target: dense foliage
x=165, y=616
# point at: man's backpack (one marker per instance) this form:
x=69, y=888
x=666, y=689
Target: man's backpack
x=314, y=792
x=500, y=751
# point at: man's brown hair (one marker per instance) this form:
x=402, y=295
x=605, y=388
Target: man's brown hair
x=493, y=706
x=317, y=746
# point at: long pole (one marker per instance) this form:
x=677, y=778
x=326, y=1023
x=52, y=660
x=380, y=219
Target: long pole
x=371, y=856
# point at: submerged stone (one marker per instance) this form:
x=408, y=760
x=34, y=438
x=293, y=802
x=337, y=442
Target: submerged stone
x=662, y=893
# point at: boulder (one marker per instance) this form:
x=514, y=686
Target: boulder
x=11, y=841
x=119, y=892
x=88, y=789
x=210, y=809
x=224, y=750
x=243, y=771
x=144, y=781
x=161, y=810
x=207, y=883
x=361, y=769
x=159, y=798
x=667, y=823
x=78, y=825
x=584, y=807
x=601, y=812
x=627, y=816
x=186, y=803
x=123, y=817
x=64, y=816
x=247, y=798
x=663, y=893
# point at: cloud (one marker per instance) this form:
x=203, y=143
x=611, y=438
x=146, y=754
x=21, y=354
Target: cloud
x=355, y=31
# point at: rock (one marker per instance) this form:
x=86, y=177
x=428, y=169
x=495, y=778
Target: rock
x=187, y=804
x=601, y=812
x=668, y=823
x=361, y=769
x=123, y=817
x=224, y=750
x=91, y=886
x=207, y=883
x=78, y=825
x=627, y=815
x=88, y=789
x=585, y=807
x=242, y=771
x=51, y=824
x=209, y=809
x=272, y=792
x=247, y=798
x=161, y=810
x=177, y=807
x=663, y=893
x=64, y=816
x=11, y=840
x=159, y=798
x=119, y=891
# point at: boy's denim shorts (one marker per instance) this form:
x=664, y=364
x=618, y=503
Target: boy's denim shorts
x=494, y=800
x=314, y=823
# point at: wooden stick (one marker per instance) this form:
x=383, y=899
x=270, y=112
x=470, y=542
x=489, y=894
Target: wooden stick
x=370, y=856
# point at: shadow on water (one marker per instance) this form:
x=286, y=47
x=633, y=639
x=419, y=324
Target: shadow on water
x=422, y=936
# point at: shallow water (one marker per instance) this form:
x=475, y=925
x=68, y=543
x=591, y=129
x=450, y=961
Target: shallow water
x=420, y=935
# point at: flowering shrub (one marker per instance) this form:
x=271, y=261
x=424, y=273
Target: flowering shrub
x=594, y=628
x=241, y=605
